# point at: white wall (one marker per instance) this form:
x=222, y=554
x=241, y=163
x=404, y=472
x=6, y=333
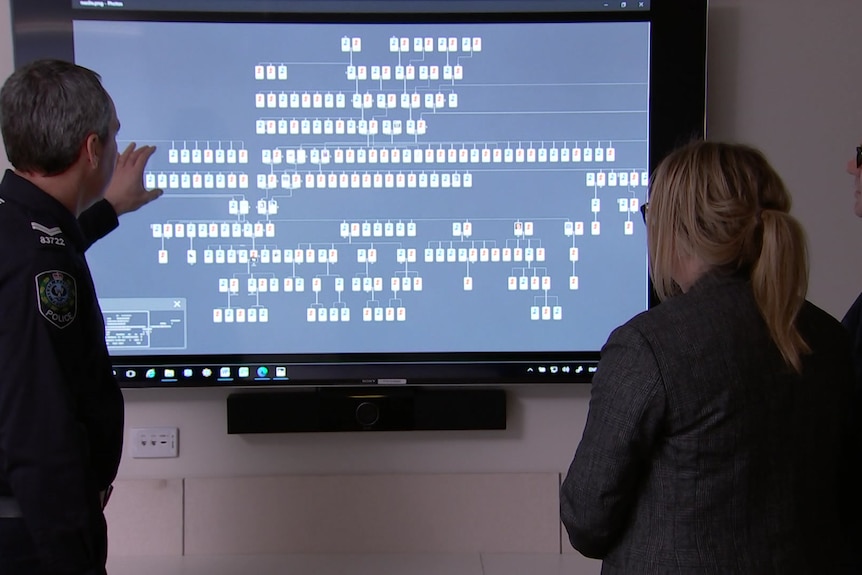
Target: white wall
x=785, y=75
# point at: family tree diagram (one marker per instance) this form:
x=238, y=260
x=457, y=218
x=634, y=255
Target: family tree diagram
x=397, y=175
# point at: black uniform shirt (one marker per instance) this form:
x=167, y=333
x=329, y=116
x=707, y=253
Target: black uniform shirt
x=61, y=410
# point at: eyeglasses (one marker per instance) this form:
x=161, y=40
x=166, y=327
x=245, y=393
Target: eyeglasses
x=858, y=157
x=645, y=205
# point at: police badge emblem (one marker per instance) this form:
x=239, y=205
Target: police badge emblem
x=58, y=297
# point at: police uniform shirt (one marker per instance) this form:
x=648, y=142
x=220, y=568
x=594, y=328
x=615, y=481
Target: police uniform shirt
x=61, y=410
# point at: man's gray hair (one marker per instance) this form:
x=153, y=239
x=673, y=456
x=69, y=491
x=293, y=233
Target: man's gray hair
x=47, y=110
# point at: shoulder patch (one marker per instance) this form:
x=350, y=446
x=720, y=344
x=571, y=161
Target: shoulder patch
x=57, y=295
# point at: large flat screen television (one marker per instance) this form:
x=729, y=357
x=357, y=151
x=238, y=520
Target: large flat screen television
x=380, y=192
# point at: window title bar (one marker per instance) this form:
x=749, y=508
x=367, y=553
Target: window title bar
x=366, y=6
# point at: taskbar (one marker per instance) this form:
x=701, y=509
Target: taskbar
x=320, y=375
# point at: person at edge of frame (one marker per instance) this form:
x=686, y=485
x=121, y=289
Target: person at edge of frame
x=61, y=410
x=852, y=321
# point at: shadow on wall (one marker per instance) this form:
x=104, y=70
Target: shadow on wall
x=722, y=71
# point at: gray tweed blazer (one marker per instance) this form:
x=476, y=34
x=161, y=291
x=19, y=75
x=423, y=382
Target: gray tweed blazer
x=704, y=454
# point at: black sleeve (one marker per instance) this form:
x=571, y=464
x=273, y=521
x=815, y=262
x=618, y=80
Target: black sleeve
x=42, y=442
x=97, y=221
x=850, y=492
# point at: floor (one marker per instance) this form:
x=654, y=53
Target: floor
x=466, y=564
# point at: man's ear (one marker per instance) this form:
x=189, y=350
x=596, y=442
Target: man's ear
x=92, y=150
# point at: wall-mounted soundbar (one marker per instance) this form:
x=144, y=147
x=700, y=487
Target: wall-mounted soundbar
x=407, y=409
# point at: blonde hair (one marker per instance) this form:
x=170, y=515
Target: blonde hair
x=726, y=206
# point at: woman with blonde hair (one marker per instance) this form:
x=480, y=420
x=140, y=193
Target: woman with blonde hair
x=712, y=444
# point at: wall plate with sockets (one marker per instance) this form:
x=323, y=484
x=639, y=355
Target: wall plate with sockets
x=154, y=442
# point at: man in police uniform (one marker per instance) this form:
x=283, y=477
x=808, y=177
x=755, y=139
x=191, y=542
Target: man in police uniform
x=61, y=411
